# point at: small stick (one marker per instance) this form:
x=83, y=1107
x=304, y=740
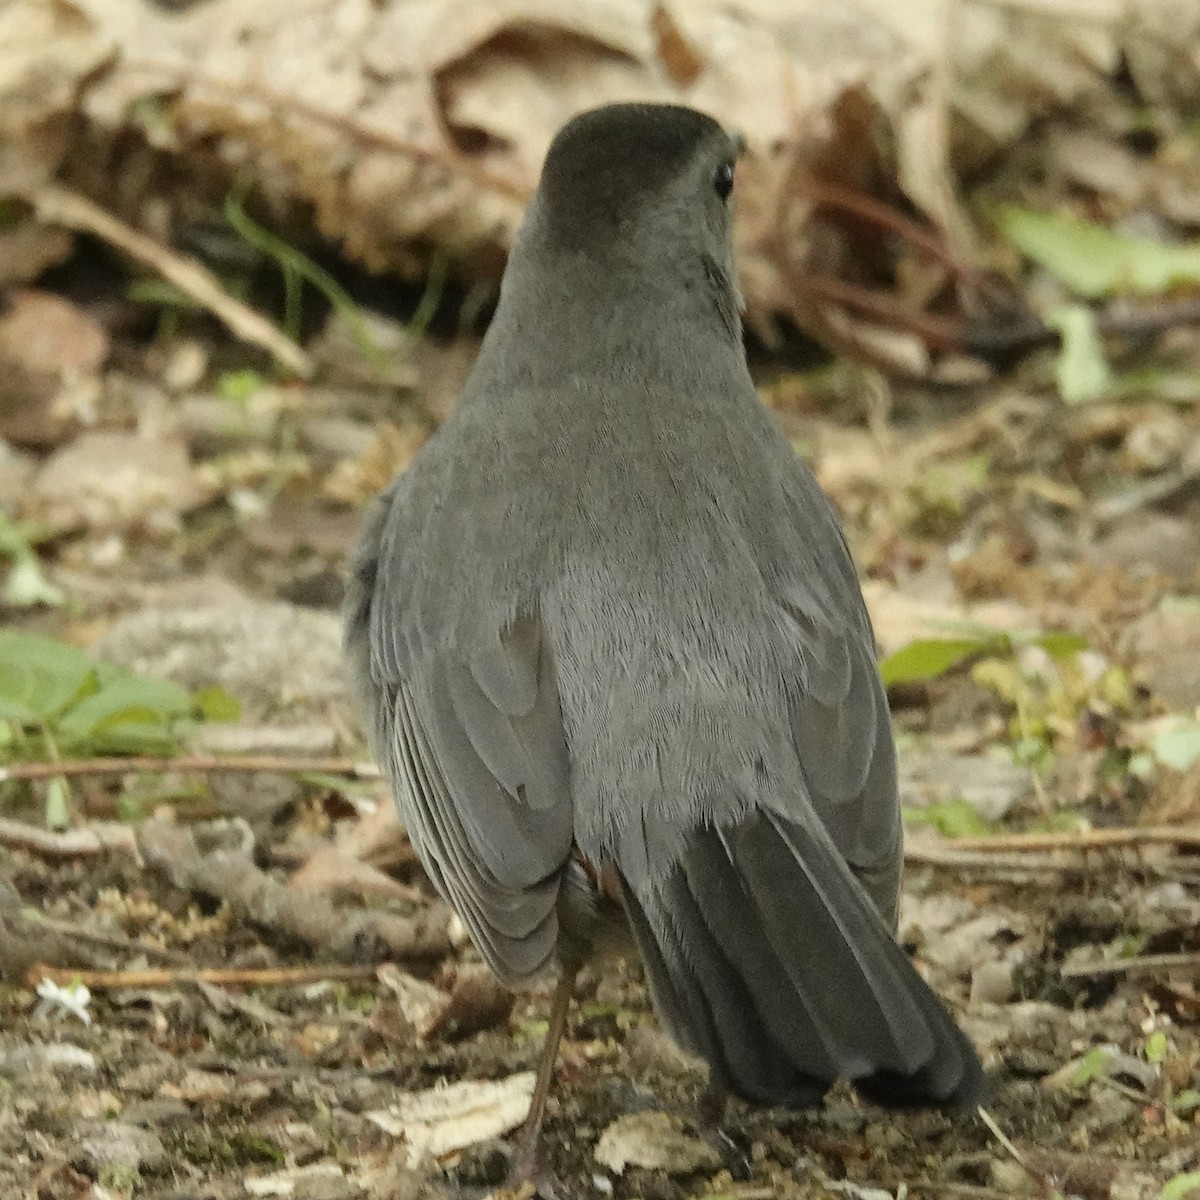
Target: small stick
x=1083, y=840
x=1136, y=965
x=829, y=194
x=111, y=941
x=100, y=837
x=1000, y=1136
x=221, y=976
x=254, y=763
x=60, y=206
x=925, y=855
x=233, y=877
x=936, y=332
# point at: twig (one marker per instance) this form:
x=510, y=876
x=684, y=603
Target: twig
x=1135, y=965
x=828, y=194
x=110, y=941
x=1083, y=840
x=26, y=938
x=1003, y=1138
x=269, y=764
x=924, y=854
x=1037, y=852
x=973, y=1191
x=232, y=877
x=220, y=976
x=100, y=837
x=991, y=339
x=936, y=332
x=60, y=206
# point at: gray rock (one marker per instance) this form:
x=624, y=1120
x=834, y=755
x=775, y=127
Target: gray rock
x=118, y=1144
x=282, y=662
x=57, y=1057
x=992, y=983
x=990, y=785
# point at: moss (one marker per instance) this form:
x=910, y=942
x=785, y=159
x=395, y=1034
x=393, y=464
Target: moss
x=225, y=1146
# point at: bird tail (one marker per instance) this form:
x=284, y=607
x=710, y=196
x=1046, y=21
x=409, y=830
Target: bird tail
x=766, y=957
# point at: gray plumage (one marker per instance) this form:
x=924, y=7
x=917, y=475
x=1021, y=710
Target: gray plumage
x=607, y=614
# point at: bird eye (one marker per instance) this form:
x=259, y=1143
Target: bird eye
x=723, y=180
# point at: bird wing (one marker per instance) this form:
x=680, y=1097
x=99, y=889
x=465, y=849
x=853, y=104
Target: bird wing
x=841, y=728
x=768, y=934
x=471, y=738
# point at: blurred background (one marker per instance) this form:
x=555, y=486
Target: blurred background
x=247, y=252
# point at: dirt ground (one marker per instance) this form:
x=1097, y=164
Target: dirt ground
x=201, y=1091
x=1075, y=973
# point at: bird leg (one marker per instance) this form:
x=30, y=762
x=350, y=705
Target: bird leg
x=710, y=1112
x=526, y=1162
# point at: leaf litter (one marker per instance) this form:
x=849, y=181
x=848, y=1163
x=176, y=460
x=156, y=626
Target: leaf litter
x=278, y=1004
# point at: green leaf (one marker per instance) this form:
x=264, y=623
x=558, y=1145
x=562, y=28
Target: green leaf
x=1093, y=1065
x=1057, y=645
x=1156, y=1047
x=134, y=737
x=123, y=699
x=929, y=658
x=1172, y=384
x=91, y=707
x=1187, y=1101
x=951, y=818
x=1092, y=260
x=26, y=585
x=20, y=537
x=40, y=677
x=1180, y=1186
x=239, y=385
x=1081, y=371
x=1178, y=746
x=216, y=704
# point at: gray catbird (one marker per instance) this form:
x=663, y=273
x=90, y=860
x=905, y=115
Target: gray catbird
x=606, y=626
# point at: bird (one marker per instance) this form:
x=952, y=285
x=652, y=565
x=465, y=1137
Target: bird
x=611, y=651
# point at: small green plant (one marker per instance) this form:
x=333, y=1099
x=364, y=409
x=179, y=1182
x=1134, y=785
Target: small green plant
x=1095, y=1064
x=298, y=269
x=25, y=585
x=1181, y=1186
x=239, y=386
x=57, y=702
x=927, y=659
x=123, y=1179
x=951, y=818
x=1049, y=697
x=1094, y=261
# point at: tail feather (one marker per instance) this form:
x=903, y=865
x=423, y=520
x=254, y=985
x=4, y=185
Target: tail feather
x=767, y=957
x=778, y=957
x=702, y=999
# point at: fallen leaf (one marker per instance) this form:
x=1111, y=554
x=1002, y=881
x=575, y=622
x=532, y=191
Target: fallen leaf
x=654, y=1141
x=442, y=1120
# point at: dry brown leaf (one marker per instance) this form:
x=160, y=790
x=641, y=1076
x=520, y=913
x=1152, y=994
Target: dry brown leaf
x=444, y=1119
x=654, y=1141
x=50, y=353
x=423, y=122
